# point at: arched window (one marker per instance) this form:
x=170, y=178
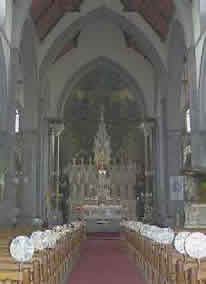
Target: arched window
x=188, y=120
x=187, y=149
x=17, y=121
x=186, y=115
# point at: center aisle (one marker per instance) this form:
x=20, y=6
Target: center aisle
x=104, y=261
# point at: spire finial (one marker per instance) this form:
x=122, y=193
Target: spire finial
x=102, y=148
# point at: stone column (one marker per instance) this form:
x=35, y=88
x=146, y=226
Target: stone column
x=174, y=157
x=198, y=131
x=160, y=210
x=56, y=129
x=201, y=138
x=83, y=180
x=7, y=171
x=51, y=154
x=51, y=175
x=148, y=146
x=8, y=138
x=44, y=167
x=197, y=140
x=30, y=192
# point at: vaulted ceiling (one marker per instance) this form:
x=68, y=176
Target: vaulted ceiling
x=157, y=13
x=47, y=13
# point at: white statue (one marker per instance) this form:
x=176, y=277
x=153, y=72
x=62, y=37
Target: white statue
x=192, y=214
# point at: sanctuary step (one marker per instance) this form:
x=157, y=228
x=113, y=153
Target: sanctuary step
x=103, y=236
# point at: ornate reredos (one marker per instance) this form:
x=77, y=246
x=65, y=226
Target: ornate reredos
x=102, y=146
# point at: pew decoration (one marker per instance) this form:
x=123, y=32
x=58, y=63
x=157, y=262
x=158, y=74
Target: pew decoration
x=195, y=245
x=42, y=256
x=38, y=240
x=164, y=256
x=155, y=233
x=22, y=249
x=52, y=239
x=186, y=243
x=48, y=239
x=179, y=242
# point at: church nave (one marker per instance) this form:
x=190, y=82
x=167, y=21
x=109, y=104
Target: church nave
x=104, y=261
x=102, y=141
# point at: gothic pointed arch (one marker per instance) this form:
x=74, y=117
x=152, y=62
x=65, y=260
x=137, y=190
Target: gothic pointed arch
x=114, y=66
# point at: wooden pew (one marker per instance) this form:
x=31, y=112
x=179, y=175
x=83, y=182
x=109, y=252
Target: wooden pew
x=47, y=267
x=162, y=264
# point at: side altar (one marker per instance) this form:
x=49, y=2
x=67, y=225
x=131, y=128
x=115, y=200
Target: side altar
x=195, y=199
x=102, y=191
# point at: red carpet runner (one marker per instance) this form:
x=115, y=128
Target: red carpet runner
x=104, y=261
x=103, y=236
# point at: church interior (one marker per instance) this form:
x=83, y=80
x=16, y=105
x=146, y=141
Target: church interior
x=102, y=141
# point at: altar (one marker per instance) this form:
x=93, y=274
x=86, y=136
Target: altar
x=103, y=218
x=102, y=190
x=195, y=199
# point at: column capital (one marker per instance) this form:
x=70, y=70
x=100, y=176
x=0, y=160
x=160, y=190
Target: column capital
x=14, y=51
x=147, y=127
x=56, y=126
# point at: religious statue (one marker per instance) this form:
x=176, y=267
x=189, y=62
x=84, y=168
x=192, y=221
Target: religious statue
x=191, y=215
x=64, y=190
